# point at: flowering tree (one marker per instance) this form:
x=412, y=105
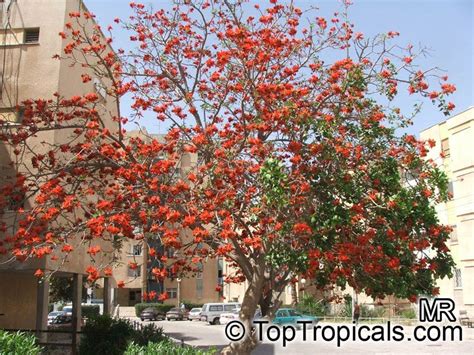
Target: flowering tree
x=299, y=168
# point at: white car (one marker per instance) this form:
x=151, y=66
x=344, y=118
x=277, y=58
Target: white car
x=234, y=315
x=229, y=316
x=211, y=312
x=194, y=313
x=52, y=316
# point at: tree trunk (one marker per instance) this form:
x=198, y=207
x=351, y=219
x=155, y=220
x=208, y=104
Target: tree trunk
x=249, y=306
x=294, y=295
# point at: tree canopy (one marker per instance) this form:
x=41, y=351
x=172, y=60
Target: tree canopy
x=292, y=122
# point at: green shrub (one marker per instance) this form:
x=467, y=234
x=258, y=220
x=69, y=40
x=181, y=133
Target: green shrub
x=312, y=306
x=18, y=343
x=106, y=335
x=90, y=311
x=167, y=347
x=139, y=307
x=346, y=310
x=408, y=313
x=149, y=334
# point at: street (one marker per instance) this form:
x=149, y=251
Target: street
x=201, y=334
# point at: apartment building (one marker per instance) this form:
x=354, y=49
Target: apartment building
x=28, y=41
x=454, y=154
x=196, y=288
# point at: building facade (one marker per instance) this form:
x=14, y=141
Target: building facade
x=29, y=38
x=454, y=154
x=196, y=288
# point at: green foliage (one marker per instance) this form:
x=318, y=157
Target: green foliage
x=149, y=334
x=18, y=343
x=167, y=347
x=310, y=305
x=105, y=335
x=408, y=313
x=346, y=311
x=60, y=290
x=90, y=311
x=275, y=181
x=139, y=307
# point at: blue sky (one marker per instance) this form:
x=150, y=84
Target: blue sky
x=446, y=27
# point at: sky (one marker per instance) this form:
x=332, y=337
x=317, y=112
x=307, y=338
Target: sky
x=445, y=27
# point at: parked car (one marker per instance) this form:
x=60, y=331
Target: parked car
x=61, y=321
x=67, y=310
x=53, y=315
x=291, y=316
x=177, y=313
x=194, y=313
x=64, y=321
x=151, y=313
x=227, y=317
x=211, y=312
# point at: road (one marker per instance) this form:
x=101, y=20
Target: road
x=202, y=335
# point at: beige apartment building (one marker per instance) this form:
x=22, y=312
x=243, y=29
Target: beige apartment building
x=197, y=289
x=454, y=154
x=28, y=40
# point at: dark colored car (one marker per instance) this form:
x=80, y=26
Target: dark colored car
x=151, y=313
x=177, y=314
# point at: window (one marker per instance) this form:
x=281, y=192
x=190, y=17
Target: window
x=445, y=147
x=451, y=188
x=454, y=235
x=282, y=314
x=216, y=308
x=136, y=250
x=172, y=292
x=229, y=307
x=171, y=272
x=199, y=273
x=12, y=114
x=293, y=313
x=199, y=288
x=100, y=88
x=31, y=35
x=457, y=278
x=135, y=295
x=134, y=272
x=16, y=201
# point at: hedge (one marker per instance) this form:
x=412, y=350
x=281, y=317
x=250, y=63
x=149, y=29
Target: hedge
x=139, y=307
x=167, y=347
x=90, y=311
x=106, y=335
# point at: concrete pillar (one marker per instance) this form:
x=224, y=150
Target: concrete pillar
x=106, y=296
x=42, y=302
x=76, y=309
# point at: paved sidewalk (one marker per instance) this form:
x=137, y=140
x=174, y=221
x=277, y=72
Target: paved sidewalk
x=203, y=335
